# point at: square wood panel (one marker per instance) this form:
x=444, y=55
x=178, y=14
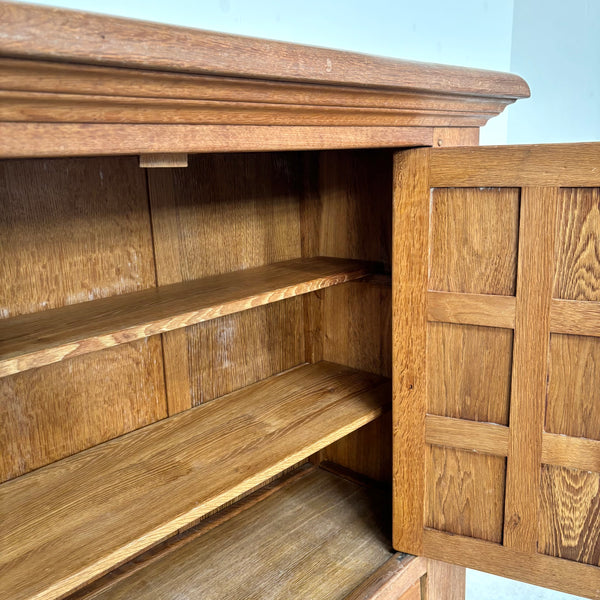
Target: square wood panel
x=465, y=493
x=570, y=514
x=578, y=245
x=573, y=401
x=469, y=372
x=474, y=240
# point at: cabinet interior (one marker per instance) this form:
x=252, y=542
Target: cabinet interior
x=170, y=332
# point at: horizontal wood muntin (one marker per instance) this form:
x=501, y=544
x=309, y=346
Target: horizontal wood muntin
x=575, y=317
x=473, y=436
x=538, y=569
x=76, y=519
x=36, y=32
x=60, y=78
x=46, y=337
x=545, y=165
x=571, y=452
x=31, y=140
x=471, y=309
x=491, y=438
x=73, y=108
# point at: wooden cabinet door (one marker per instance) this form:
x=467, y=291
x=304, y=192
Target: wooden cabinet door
x=496, y=279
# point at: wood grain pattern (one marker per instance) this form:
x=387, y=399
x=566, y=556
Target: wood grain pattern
x=471, y=309
x=465, y=493
x=576, y=453
x=486, y=438
x=538, y=569
x=91, y=80
x=41, y=107
x=474, y=240
x=455, y=136
x=570, y=514
x=577, y=275
x=409, y=339
x=134, y=491
x=573, y=405
x=88, y=139
x=530, y=366
x=51, y=336
x=396, y=579
x=59, y=410
x=541, y=165
x=63, y=248
x=340, y=539
x=79, y=37
x=260, y=196
x=60, y=246
x=575, y=317
x=444, y=581
x=347, y=212
x=232, y=352
x=463, y=382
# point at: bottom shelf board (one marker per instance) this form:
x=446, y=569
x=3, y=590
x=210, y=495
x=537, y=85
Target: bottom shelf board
x=68, y=523
x=317, y=536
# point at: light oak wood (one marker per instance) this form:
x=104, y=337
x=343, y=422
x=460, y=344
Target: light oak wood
x=506, y=166
x=570, y=514
x=79, y=37
x=396, y=579
x=529, y=375
x=486, y=223
x=547, y=571
x=574, y=386
x=444, y=581
x=323, y=552
x=463, y=382
x=260, y=194
x=575, y=317
x=577, y=275
x=64, y=78
x=62, y=225
x=89, y=139
x=157, y=161
x=465, y=493
x=577, y=453
x=471, y=309
x=51, y=336
x=409, y=327
x=132, y=492
x=18, y=106
x=486, y=438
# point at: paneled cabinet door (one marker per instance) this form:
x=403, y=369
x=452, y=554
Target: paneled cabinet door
x=496, y=280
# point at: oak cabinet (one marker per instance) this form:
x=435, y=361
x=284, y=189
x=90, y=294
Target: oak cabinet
x=263, y=305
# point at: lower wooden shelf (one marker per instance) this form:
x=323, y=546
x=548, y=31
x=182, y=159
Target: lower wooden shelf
x=315, y=536
x=72, y=521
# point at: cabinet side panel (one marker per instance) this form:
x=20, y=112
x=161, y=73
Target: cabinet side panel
x=224, y=213
x=74, y=230
x=347, y=213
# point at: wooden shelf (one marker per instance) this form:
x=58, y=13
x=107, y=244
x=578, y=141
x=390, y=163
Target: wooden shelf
x=72, y=521
x=38, y=339
x=314, y=535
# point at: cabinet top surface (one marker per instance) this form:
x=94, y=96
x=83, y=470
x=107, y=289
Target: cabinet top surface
x=39, y=32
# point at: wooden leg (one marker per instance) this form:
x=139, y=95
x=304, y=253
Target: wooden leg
x=443, y=582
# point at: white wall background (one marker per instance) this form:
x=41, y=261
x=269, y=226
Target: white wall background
x=553, y=44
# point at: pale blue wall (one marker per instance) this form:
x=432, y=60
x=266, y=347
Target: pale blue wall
x=556, y=48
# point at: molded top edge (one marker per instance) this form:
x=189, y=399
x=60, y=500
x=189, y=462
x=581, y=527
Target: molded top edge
x=56, y=34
